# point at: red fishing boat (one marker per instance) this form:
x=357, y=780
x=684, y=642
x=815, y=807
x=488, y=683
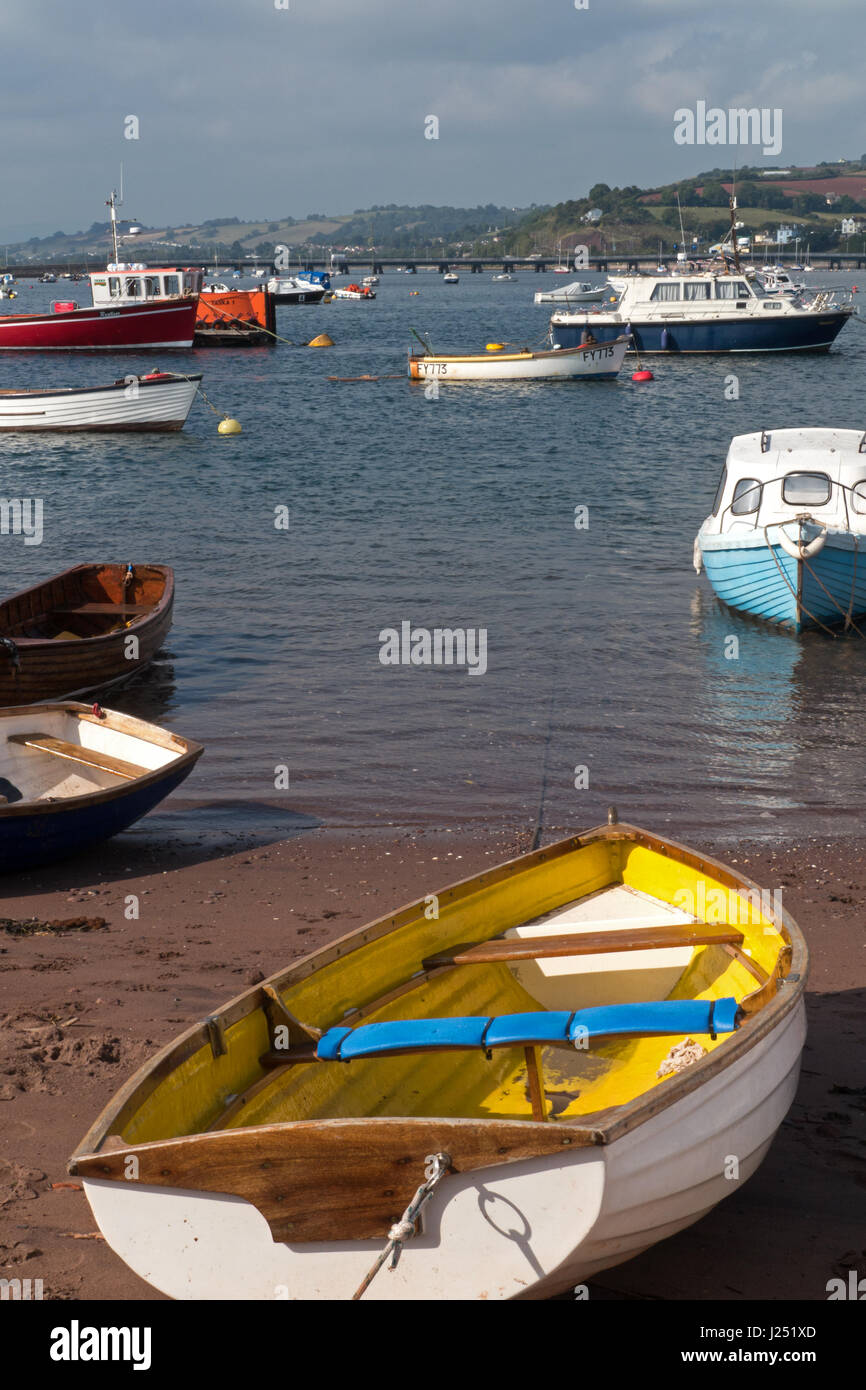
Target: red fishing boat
x=134, y=306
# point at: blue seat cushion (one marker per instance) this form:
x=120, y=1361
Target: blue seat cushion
x=667, y=1016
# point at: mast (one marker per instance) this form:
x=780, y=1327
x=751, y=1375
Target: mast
x=113, y=203
x=734, y=246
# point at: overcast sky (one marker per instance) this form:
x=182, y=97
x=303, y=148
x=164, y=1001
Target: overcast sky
x=248, y=110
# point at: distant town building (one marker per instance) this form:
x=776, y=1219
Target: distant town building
x=594, y=215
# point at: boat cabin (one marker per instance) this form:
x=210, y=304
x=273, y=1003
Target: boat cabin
x=121, y=283
x=775, y=476
x=699, y=287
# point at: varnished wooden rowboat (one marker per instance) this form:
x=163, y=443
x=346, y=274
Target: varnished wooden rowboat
x=84, y=628
x=598, y=1039
x=72, y=775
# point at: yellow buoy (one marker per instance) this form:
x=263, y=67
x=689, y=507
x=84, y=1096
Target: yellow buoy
x=495, y=347
x=229, y=426
x=321, y=341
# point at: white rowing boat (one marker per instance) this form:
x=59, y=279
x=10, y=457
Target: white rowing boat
x=157, y=401
x=72, y=775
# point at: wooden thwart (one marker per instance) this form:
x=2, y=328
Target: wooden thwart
x=586, y=944
x=43, y=743
x=112, y=608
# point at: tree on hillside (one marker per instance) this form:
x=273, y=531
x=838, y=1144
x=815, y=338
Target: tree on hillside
x=715, y=194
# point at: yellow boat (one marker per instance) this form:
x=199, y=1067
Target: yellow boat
x=504, y=1087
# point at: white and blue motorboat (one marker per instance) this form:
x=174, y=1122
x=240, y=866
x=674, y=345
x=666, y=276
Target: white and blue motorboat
x=786, y=539
x=707, y=311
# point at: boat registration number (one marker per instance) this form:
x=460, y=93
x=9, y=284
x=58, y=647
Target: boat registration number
x=601, y=353
x=435, y=368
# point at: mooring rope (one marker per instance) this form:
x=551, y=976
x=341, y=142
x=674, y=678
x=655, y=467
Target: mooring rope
x=436, y=1166
x=849, y=621
x=797, y=601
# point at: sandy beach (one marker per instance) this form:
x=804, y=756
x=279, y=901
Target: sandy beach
x=82, y=1006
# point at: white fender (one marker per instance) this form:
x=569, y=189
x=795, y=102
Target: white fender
x=796, y=549
x=697, y=556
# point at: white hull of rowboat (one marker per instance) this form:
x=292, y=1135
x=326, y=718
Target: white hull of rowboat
x=135, y=403
x=598, y=360
x=516, y=1231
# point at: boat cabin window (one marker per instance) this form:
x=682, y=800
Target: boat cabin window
x=114, y=286
x=171, y=284
x=858, y=497
x=696, y=289
x=813, y=489
x=732, y=289
x=132, y=287
x=151, y=286
x=667, y=289
x=747, y=497
x=773, y=304
x=720, y=491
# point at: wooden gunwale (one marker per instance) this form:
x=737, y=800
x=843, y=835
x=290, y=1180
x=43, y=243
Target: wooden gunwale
x=64, y=392
x=64, y=579
x=606, y=1126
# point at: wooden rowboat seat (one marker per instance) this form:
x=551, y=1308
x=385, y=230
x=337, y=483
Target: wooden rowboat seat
x=586, y=944
x=112, y=608
x=553, y=1028
x=89, y=757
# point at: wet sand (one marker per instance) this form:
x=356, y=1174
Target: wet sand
x=81, y=1009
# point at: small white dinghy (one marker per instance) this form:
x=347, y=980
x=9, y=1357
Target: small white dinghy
x=590, y=360
x=157, y=401
x=73, y=774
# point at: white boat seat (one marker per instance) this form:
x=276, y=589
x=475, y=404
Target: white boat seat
x=44, y=743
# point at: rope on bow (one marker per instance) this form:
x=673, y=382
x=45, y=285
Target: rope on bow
x=435, y=1168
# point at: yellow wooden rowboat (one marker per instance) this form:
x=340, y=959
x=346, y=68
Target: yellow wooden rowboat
x=588, y=1047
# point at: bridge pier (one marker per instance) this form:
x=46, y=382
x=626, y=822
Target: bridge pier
x=477, y=268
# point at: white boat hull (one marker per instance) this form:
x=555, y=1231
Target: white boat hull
x=522, y=1230
x=133, y=404
x=598, y=360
